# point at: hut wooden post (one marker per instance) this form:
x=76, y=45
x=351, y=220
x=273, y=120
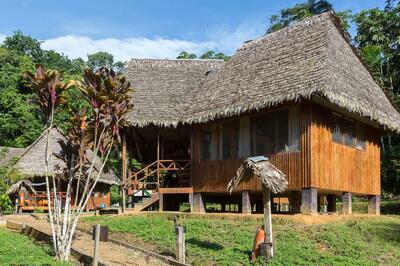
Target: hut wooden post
x=123, y=171
x=158, y=159
x=268, y=221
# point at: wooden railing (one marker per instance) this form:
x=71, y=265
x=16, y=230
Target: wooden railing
x=152, y=173
x=38, y=199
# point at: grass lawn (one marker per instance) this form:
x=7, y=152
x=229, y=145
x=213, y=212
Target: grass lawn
x=17, y=249
x=220, y=240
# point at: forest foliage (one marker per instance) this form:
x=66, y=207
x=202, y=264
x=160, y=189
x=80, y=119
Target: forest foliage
x=377, y=39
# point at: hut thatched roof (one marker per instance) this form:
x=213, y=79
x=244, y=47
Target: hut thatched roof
x=21, y=185
x=32, y=163
x=163, y=88
x=310, y=58
x=260, y=167
x=8, y=153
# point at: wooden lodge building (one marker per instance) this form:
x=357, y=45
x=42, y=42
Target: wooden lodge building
x=31, y=165
x=300, y=96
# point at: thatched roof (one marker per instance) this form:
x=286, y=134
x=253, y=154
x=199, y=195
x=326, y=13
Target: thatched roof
x=163, y=88
x=32, y=162
x=260, y=167
x=21, y=185
x=311, y=57
x=8, y=153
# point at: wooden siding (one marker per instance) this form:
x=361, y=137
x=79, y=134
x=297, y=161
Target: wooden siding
x=214, y=175
x=338, y=167
x=319, y=163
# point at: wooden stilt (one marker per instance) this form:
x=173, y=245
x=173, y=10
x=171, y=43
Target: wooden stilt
x=158, y=159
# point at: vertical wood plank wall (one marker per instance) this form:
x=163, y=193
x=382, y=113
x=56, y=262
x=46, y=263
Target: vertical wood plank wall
x=339, y=167
x=214, y=175
x=320, y=163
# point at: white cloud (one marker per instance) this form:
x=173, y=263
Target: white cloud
x=124, y=49
x=220, y=39
x=2, y=38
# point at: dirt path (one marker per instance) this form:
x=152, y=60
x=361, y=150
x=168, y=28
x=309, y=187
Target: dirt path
x=110, y=253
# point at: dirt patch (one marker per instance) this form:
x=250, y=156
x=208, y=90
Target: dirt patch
x=109, y=252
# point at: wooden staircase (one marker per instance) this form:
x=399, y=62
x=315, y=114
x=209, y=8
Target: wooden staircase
x=148, y=204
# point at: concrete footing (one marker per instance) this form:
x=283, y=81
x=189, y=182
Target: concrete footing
x=309, y=201
x=347, y=200
x=161, y=203
x=196, y=203
x=374, y=205
x=246, y=202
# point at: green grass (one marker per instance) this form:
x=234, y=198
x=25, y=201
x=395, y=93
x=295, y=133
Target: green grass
x=387, y=207
x=17, y=249
x=228, y=241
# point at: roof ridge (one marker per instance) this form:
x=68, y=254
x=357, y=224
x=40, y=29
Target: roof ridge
x=305, y=22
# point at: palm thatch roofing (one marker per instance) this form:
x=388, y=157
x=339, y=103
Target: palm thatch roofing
x=21, y=185
x=7, y=154
x=163, y=88
x=32, y=163
x=271, y=177
x=310, y=58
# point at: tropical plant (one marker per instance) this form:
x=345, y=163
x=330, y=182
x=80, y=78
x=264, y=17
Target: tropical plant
x=301, y=11
x=378, y=40
x=93, y=133
x=186, y=55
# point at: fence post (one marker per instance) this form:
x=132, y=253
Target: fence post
x=180, y=243
x=96, y=245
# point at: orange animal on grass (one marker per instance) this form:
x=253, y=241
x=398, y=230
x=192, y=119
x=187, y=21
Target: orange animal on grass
x=258, y=240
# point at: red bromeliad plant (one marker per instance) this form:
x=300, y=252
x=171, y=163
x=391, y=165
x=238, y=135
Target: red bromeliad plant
x=92, y=134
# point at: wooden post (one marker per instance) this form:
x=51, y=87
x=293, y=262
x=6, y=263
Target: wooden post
x=268, y=221
x=123, y=171
x=96, y=245
x=180, y=243
x=158, y=159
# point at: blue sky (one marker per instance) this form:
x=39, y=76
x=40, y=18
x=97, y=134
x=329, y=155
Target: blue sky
x=152, y=28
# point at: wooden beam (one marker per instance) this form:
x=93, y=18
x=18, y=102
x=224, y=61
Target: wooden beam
x=176, y=190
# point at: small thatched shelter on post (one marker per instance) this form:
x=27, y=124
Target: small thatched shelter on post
x=273, y=180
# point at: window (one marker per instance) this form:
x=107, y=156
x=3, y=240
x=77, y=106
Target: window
x=206, y=145
x=230, y=139
x=360, y=140
x=274, y=132
x=262, y=134
x=347, y=132
x=283, y=130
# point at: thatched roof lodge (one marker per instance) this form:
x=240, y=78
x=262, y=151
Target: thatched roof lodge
x=300, y=96
x=312, y=58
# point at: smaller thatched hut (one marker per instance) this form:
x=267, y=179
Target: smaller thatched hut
x=31, y=165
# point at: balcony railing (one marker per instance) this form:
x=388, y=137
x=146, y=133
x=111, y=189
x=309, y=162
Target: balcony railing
x=157, y=174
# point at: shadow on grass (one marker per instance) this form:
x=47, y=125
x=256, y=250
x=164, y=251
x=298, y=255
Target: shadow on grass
x=204, y=244
x=246, y=253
